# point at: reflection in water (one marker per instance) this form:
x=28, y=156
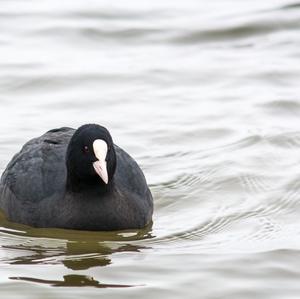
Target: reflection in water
x=73, y=281
x=76, y=255
x=76, y=250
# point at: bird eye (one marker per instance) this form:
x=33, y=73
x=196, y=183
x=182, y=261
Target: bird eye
x=85, y=149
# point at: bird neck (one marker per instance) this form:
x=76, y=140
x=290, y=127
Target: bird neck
x=91, y=185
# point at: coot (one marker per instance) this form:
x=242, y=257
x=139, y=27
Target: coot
x=76, y=179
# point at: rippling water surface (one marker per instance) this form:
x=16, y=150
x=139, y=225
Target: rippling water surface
x=205, y=96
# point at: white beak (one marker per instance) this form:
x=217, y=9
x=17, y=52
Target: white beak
x=100, y=150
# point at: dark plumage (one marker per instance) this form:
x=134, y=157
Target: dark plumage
x=51, y=182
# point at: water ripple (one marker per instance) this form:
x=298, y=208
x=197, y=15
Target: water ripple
x=255, y=29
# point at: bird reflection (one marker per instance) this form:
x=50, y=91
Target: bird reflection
x=76, y=250
x=73, y=281
x=100, y=254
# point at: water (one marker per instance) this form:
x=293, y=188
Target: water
x=205, y=96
